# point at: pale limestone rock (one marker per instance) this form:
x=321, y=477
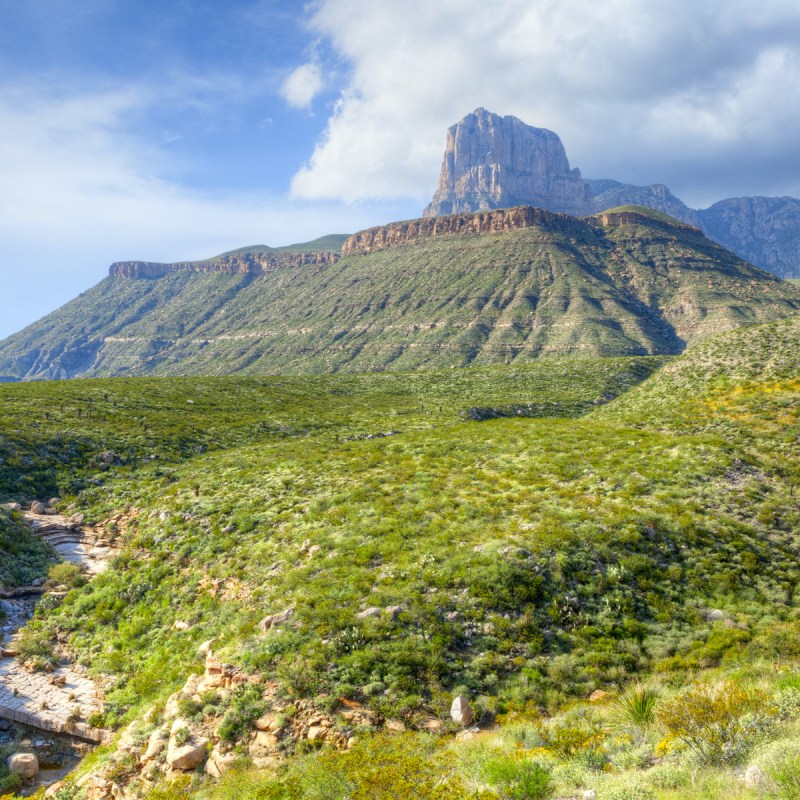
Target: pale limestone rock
x=155, y=744
x=499, y=162
x=187, y=756
x=274, y=620
x=316, y=732
x=219, y=763
x=756, y=778
x=26, y=765
x=461, y=711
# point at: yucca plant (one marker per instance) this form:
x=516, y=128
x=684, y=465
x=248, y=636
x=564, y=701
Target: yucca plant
x=635, y=710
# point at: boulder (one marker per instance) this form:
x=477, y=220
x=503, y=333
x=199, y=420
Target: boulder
x=219, y=763
x=13, y=506
x=188, y=755
x=155, y=745
x=78, y=519
x=372, y=611
x=461, y=711
x=589, y=794
x=37, y=507
x=316, y=732
x=26, y=765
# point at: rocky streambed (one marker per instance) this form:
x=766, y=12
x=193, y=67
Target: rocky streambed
x=44, y=713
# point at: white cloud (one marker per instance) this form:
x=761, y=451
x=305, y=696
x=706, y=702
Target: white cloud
x=642, y=90
x=303, y=85
x=79, y=191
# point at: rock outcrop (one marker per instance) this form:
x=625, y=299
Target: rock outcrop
x=397, y=234
x=250, y=263
x=497, y=162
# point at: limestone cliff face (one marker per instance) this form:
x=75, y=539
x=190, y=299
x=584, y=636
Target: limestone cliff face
x=230, y=264
x=498, y=162
x=763, y=230
x=399, y=233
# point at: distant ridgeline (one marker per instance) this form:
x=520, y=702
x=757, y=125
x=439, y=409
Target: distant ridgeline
x=253, y=263
x=501, y=286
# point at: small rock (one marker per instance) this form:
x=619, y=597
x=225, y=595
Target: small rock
x=180, y=625
x=316, y=732
x=755, y=778
x=461, y=711
x=205, y=648
x=37, y=507
x=395, y=726
x=598, y=695
x=26, y=765
x=13, y=506
x=589, y=794
x=372, y=611
x=393, y=611
x=273, y=620
x=78, y=519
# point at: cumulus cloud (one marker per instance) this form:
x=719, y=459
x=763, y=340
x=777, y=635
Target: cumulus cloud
x=701, y=96
x=303, y=85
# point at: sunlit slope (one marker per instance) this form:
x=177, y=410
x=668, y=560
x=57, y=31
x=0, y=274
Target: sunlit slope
x=526, y=559
x=633, y=285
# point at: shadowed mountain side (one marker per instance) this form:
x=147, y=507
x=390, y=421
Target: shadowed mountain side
x=616, y=284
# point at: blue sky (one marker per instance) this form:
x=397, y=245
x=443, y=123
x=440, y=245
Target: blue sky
x=133, y=129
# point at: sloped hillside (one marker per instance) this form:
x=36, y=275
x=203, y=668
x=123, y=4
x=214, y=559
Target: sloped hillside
x=499, y=287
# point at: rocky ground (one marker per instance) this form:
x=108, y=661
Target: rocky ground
x=45, y=713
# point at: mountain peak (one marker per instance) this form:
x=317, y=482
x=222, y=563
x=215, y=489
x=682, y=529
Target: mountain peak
x=499, y=162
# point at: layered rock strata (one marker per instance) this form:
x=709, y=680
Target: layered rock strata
x=253, y=263
x=498, y=162
x=397, y=234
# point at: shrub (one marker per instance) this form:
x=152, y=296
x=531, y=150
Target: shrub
x=715, y=722
x=637, y=791
x=786, y=777
x=635, y=710
x=66, y=574
x=569, y=738
x=245, y=708
x=518, y=779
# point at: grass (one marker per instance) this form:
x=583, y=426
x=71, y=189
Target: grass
x=529, y=560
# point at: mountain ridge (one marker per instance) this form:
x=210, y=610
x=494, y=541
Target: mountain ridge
x=495, y=287
x=492, y=161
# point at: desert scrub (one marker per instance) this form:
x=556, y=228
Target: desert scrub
x=65, y=575
x=245, y=707
x=718, y=723
x=517, y=778
x=634, y=711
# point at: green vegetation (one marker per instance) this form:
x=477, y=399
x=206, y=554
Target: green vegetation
x=330, y=243
x=23, y=558
x=525, y=561
x=562, y=288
